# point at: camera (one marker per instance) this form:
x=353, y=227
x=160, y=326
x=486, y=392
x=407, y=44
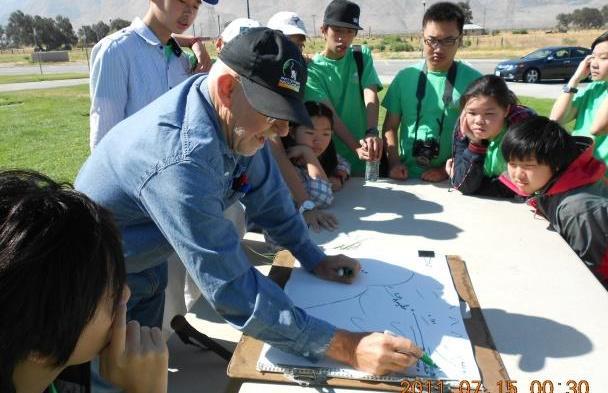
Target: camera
x=425, y=151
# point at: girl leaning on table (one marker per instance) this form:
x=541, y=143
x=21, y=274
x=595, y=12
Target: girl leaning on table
x=312, y=152
x=489, y=108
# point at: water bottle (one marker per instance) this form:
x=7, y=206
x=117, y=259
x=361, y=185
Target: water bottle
x=372, y=169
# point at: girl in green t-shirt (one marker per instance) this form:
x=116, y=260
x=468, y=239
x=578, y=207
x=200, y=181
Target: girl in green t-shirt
x=488, y=109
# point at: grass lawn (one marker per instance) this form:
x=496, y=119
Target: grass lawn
x=4, y=79
x=48, y=130
x=45, y=130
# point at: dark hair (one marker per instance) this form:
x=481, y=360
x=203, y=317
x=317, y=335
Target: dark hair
x=60, y=253
x=542, y=139
x=489, y=86
x=599, y=40
x=329, y=158
x=444, y=12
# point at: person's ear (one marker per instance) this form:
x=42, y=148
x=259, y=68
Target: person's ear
x=324, y=31
x=38, y=358
x=225, y=87
x=507, y=111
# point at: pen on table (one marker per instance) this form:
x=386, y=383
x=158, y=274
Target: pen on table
x=425, y=358
x=344, y=271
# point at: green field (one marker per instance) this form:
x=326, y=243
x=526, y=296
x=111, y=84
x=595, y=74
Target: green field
x=4, y=79
x=48, y=130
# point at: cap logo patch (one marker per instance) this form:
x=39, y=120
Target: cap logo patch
x=289, y=80
x=356, y=20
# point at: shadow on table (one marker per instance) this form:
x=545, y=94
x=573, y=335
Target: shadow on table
x=535, y=339
x=388, y=210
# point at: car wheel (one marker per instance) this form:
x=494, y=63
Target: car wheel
x=532, y=76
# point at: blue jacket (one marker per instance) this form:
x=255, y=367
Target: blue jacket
x=167, y=174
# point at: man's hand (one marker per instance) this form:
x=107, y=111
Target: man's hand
x=317, y=219
x=434, y=175
x=375, y=353
x=372, y=144
x=136, y=359
x=398, y=171
x=338, y=268
x=203, y=60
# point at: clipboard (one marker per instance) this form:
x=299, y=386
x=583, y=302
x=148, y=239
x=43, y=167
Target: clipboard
x=242, y=366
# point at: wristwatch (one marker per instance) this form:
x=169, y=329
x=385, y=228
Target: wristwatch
x=372, y=131
x=306, y=206
x=567, y=89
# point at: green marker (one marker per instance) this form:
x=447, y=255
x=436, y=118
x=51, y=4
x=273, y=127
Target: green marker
x=425, y=358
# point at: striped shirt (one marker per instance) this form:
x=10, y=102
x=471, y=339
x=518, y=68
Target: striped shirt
x=129, y=69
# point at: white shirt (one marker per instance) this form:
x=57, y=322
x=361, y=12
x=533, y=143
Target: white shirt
x=129, y=70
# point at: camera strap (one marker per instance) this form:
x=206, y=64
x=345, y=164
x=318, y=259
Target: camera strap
x=447, y=95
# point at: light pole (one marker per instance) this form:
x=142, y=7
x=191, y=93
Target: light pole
x=248, y=15
x=423, y=8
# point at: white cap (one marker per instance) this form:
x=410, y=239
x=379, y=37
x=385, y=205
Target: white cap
x=288, y=22
x=236, y=27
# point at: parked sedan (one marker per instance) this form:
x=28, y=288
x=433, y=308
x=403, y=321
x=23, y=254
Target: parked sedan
x=553, y=62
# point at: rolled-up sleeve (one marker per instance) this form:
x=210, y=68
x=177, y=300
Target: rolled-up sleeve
x=185, y=200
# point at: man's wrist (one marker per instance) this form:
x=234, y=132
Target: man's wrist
x=343, y=346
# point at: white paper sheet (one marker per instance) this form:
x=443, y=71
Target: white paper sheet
x=410, y=295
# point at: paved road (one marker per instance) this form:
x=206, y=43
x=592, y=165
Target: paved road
x=42, y=85
x=386, y=70
x=46, y=69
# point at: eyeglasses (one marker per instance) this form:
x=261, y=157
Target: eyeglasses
x=444, y=42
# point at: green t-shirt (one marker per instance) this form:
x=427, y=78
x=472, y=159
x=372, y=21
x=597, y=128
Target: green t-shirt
x=494, y=164
x=337, y=81
x=401, y=100
x=587, y=103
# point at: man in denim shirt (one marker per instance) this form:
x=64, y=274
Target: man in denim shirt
x=168, y=172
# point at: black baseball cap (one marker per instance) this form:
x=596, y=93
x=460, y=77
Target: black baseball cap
x=342, y=13
x=273, y=73
x=211, y=1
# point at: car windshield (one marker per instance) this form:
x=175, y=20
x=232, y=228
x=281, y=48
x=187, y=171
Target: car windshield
x=539, y=54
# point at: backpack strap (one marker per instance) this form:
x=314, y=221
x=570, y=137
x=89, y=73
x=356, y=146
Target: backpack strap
x=358, y=55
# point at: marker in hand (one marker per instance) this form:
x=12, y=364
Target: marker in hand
x=425, y=358
x=345, y=272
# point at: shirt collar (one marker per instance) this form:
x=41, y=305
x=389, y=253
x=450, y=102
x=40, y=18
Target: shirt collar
x=145, y=32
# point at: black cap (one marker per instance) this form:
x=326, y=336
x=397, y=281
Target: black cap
x=342, y=13
x=273, y=73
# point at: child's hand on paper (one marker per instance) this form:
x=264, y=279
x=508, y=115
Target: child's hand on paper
x=338, y=268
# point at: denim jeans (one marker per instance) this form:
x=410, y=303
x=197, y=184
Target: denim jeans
x=145, y=306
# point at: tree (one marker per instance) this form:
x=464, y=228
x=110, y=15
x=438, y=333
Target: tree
x=605, y=13
x=48, y=35
x=20, y=29
x=563, y=21
x=67, y=31
x=3, y=39
x=466, y=9
x=118, y=24
x=587, y=18
x=101, y=30
x=87, y=35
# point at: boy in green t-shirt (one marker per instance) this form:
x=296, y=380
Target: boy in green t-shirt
x=422, y=101
x=589, y=107
x=333, y=79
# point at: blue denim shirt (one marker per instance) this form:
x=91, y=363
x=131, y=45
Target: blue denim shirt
x=167, y=174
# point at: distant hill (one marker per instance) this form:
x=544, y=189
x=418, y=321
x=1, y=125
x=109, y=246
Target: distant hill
x=382, y=16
